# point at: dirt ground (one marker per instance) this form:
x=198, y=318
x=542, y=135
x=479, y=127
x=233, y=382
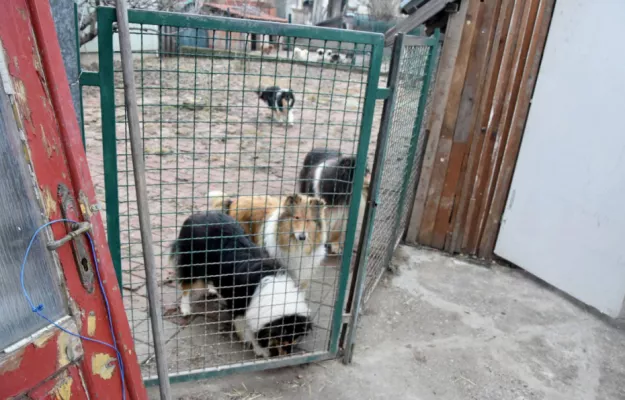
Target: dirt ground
x=204, y=129
x=447, y=329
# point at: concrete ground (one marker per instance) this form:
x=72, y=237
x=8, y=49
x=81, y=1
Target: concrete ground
x=448, y=329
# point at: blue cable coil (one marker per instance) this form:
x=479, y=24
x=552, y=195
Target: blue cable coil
x=38, y=309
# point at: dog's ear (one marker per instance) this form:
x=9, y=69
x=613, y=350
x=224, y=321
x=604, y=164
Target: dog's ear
x=347, y=162
x=227, y=204
x=316, y=202
x=318, y=207
x=292, y=200
x=291, y=98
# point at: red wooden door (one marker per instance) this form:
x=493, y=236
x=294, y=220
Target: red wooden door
x=44, y=177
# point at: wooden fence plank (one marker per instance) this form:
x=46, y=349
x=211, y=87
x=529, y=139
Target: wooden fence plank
x=521, y=111
x=478, y=123
x=515, y=75
x=471, y=238
x=447, y=62
x=472, y=86
x=448, y=124
x=479, y=127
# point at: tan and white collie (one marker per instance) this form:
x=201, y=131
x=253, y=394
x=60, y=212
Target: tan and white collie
x=291, y=228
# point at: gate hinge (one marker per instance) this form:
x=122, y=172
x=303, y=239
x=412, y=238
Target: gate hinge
x=383, y=93
x=346, y=318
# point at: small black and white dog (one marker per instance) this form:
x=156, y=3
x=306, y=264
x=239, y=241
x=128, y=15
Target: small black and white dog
x=269, y=312
x=280, y=101
x=342, y=58
x=329, y=175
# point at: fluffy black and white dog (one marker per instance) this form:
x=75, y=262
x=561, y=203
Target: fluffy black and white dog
x=280, y=101
x=342, y=58
x=269, y=312
x=329, y=175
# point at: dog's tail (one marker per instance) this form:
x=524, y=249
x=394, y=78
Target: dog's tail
x=219, y=201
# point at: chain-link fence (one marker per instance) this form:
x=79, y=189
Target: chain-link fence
x=405, y=144
x=227, y=127
x=237, y=116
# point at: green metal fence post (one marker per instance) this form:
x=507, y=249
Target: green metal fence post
x=361, y=163
x=376, y=175
x=288, y=42
x=106, y=17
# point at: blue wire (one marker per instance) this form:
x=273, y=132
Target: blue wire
x=39, y=308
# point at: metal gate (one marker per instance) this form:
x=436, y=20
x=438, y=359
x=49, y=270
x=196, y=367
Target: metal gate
x=205, y=129
x=398, y=159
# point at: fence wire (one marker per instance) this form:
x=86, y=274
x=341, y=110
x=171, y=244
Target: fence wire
x=400, y=171
x=205, y=130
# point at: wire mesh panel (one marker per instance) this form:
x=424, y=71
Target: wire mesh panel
x=226, y=127
x=401, y=161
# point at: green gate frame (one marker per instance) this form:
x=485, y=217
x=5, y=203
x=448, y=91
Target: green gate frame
x=104, y=79
x=402, y=41
x=343, y=323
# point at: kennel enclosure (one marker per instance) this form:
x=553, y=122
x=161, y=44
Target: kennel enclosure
x=205, y=130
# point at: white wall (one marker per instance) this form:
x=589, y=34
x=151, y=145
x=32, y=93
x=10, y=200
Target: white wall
x=149, y=42
x=565, y=216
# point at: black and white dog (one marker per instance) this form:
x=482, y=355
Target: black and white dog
x=280, y=101
x=342, y=58
x=269, y=312
x=329, y=175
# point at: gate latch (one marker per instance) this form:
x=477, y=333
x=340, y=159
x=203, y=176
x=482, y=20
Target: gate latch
x=75, y=230
x=78, y=229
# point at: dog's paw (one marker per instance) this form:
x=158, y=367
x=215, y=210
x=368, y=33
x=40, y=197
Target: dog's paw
x=185, y=308
x=212, y=292
x=393, y=268
x=335, y=248
x=261, y=352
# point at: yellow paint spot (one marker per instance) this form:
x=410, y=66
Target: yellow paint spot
x=62, y=342
x=22, y=101
x=26, y=153
x=44, y=140
x=103, y=365
x=64, y=390
x=91, y=325
x=49, y=202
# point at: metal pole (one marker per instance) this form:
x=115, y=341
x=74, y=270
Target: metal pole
x=288, y=41
x=134, y=132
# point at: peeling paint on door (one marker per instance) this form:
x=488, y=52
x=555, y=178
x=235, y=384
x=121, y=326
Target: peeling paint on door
x=91, y=324
x=63, y=391
x=103, y=365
